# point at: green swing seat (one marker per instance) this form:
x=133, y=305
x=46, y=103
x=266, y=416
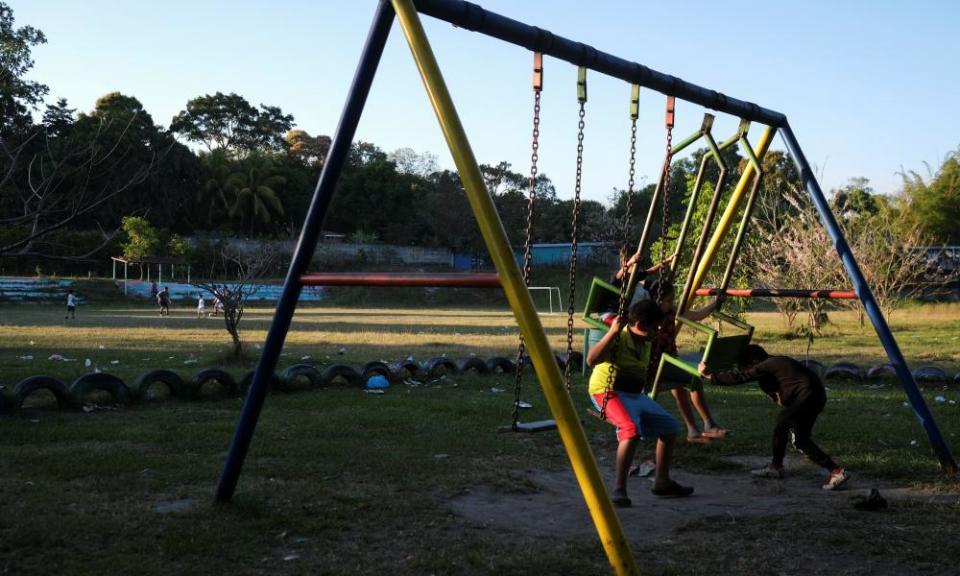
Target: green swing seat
x=721, y=351
x=603, y=296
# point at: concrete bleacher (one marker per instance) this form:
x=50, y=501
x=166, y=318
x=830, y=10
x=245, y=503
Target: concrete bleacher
x=182, y=291
x=24, y=289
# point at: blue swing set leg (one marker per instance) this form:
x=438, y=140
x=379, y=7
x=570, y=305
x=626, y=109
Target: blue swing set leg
x=339, y=149
x=920, y=408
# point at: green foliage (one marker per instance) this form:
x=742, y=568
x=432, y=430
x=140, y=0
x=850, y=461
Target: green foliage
x=18, y=96
x=934, y=205
x=177, y=246
x=254, y=187
x=230, y=122
x=142, y=238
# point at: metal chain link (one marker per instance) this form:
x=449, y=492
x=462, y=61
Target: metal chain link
x=665, y=219
x=624, y=284
x=573, y=247
x=527, y=251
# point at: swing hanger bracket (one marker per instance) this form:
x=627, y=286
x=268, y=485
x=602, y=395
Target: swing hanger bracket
x=707, y=123
x=582, y=84
x=537, y=71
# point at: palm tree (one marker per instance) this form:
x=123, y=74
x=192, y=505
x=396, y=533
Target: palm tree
x=214, y=195
x=254, y=188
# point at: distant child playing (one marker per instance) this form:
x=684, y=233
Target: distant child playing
x=626, y=405
x=163, y=300
x=201, y=305
x=801, y=394
x=71, y=305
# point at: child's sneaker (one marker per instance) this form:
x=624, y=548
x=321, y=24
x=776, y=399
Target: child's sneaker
x=620, y=499
x=837, y=479
x=768, y=471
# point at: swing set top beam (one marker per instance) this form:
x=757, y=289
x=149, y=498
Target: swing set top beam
x=476, y=19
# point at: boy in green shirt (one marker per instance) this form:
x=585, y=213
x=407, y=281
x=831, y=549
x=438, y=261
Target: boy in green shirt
x=625, y=405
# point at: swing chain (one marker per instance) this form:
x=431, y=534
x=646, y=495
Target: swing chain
x=528, y=242
x=573, y=246
x=665, y=219
x=624, y=285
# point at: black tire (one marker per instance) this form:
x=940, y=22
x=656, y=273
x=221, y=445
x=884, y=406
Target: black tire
x=99, y=381
x=576, y=360
x=6, y=406
x=844, y=371
x=818, y=368
x=377, y=367
x=405, y=369
x=275, y=382
x=501, y=364
x=440, y=366
x=292, y=374
x=930, y=374
x=472, y=363
x=30, y=385
x=222, y=377
x=172, y=380
x=341, y=372
x=881, y=371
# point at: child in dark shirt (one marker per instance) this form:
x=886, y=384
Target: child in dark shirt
x=801, y=394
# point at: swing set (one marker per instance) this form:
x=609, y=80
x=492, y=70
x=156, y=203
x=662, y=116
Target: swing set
x=533, y=340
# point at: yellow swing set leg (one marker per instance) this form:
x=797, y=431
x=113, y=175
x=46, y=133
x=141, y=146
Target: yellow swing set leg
x=568, y=424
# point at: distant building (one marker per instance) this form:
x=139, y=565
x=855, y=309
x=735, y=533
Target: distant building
x=559, y=254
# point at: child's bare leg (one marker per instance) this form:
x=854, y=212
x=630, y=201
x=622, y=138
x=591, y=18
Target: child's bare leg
x=626, y=450
x=699, y=400
x=664, y=454
x=686, y=412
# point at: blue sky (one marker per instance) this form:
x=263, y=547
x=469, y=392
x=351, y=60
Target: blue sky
x=870, y=88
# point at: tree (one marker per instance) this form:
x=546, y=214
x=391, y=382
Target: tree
x=142, y=238
x=253, y=187
x=233, y=295
x=18, y=96
x=933, y=206
x=69, y=175
x=213, y=195
x=309, y=150
x=408, y=161
x=228, y=121
x=855, y=199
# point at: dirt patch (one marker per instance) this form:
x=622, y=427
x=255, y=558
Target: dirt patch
x=558, y=510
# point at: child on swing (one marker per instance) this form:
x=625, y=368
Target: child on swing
x=666, y=342
x=622, y=275
x=626, y=406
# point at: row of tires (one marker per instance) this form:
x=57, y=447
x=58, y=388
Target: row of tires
x=850, y=371
x=297, y=376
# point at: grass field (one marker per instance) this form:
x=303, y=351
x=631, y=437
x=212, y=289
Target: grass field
x=338, y=481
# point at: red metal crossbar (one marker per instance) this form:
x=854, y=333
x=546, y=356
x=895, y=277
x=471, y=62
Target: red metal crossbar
x=780, y=293
x=487, y=280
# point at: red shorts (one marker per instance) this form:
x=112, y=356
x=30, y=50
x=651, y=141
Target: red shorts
x=636, y=415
